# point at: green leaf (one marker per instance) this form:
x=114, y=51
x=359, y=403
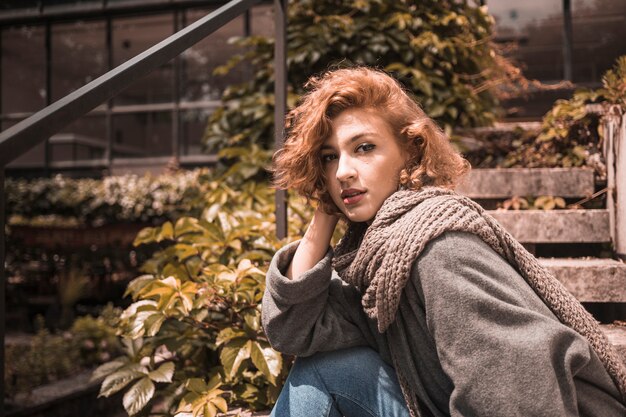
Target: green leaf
x=137, y=328
x=228, y=334
x=196, y=385
x=267, y=360
x=186, y=225
x=139, y=283
x=153, y=324
x=166, y=232
x=145, y=235
x=184, y=251
x=119, y=379
x=252, y=318
x=108, y=368
x=132, y=346
x=163, y=373
x=138, y=396
x=233, y=354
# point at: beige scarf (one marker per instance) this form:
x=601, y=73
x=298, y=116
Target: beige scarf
x=378, y=259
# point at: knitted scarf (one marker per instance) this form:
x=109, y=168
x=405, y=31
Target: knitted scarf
x=378, y=259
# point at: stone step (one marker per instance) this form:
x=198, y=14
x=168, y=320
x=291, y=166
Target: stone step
x=555, y=226
x=590, y=279
x=617, y=337
x=508, y=182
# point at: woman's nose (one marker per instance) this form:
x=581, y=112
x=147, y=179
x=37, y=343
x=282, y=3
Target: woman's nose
x=345, y=170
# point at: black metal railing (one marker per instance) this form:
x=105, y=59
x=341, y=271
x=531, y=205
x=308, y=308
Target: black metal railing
x=25, y=135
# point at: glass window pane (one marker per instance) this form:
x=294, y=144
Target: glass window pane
x=262, y=20
x=193, y=125
x=142, y=134
x=11, y=5
x=84, y=139
x=78, y=55
x=132, y=36
x=23, y=69
x=536, y=28
x=201, y=59
x=599, y=32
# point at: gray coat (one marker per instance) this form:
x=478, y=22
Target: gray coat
x=474, y=339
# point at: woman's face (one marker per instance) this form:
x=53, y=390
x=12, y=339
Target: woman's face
x=362, y=161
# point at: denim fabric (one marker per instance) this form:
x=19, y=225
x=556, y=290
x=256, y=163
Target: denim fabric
x=352, y=382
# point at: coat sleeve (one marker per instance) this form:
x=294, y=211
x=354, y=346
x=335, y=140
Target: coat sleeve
x=315, y=312
x=503, y=349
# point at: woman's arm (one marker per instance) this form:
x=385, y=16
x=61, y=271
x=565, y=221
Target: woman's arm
x=307, y=308
x=314, y=243
x=504, y=351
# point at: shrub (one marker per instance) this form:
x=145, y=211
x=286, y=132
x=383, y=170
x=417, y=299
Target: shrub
x=441, y=51
x=49, y=357
x=192, y=335
x=569, y=135
x=125, y=198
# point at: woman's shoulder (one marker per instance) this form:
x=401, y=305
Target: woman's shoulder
x=458, y=252
x=453, y=243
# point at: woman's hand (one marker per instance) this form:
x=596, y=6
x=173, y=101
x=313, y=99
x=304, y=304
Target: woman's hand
x=314, y=243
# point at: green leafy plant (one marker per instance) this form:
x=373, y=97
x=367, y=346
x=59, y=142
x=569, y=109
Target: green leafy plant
x=96, y=337
x=47, y=357
x=441, y=51
x=193, y=336
x=569, y=134
x=126, y=198
x=544, y=202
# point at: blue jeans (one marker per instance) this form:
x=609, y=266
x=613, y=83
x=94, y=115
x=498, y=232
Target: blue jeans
x=352, y=382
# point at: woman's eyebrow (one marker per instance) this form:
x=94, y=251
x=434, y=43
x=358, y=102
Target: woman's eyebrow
x=351, y=140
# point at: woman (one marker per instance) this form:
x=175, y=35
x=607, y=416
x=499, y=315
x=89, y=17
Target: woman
x=426, y=307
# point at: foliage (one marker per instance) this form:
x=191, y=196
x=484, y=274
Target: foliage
x=96, y=337
x=129, y=198
x=441, y=51
x=49, y=357
x=192, y=335
x=569, y=135
x=544, y=202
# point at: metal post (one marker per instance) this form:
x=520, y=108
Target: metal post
x=109, y=110
x=280, y=105
x=2, y=289
x=2, y=272
x=48, y=43
x=184, y=137
x=567, y=40
x=1, y=36
x=176, y=98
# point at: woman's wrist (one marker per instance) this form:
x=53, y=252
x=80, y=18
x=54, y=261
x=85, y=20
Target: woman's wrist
x=321, y=228
x=314, y=243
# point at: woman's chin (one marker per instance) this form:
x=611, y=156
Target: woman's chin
x=358, y=216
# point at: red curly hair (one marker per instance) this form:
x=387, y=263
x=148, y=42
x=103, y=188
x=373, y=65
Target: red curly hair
x=298, y=165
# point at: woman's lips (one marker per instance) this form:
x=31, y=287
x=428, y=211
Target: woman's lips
x=353, y=199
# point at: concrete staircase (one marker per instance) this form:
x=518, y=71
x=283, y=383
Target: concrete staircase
x=597, y=280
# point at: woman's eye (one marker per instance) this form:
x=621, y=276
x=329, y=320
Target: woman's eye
x=328, y=157
x=365, y=147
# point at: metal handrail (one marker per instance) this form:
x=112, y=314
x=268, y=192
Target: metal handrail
x=25, y=135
